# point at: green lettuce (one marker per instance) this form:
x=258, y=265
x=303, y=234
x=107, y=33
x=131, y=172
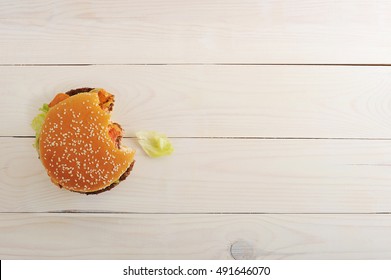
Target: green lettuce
x=37, y=123
x=154, y=144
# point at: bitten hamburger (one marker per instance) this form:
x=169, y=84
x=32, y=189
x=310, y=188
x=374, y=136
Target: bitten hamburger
x=77, y=143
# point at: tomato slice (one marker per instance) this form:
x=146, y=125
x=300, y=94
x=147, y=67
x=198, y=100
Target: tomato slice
x=115, y=133
x=58, y=98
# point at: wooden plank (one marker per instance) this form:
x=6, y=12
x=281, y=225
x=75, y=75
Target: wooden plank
x=109, y=236
x=205, y=101
x=218, y=175
x=174, y=31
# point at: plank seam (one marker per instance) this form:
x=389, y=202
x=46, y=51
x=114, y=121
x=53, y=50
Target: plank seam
x=199, y=64
x=197, y=213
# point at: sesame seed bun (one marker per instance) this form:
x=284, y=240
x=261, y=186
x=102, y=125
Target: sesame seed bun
x=80, y=147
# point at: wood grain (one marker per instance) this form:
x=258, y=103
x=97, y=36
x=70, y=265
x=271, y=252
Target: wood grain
x=209, y=101
x=270, y=162
x=131, y=236
x=218, y=176
x=174, y=31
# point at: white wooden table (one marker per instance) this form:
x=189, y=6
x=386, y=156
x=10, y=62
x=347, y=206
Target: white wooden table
x=279, y=111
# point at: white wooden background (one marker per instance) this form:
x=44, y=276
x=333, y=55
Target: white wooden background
x=279, y=111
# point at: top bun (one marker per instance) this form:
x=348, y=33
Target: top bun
x=77, y=147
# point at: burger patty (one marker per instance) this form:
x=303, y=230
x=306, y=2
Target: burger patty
x=73, y=92
x=106, y=101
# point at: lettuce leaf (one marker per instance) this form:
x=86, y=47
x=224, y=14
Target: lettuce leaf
x=154, y=144
x=37, y=123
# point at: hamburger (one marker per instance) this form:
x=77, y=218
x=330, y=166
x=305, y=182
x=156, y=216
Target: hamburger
x=78, y=144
